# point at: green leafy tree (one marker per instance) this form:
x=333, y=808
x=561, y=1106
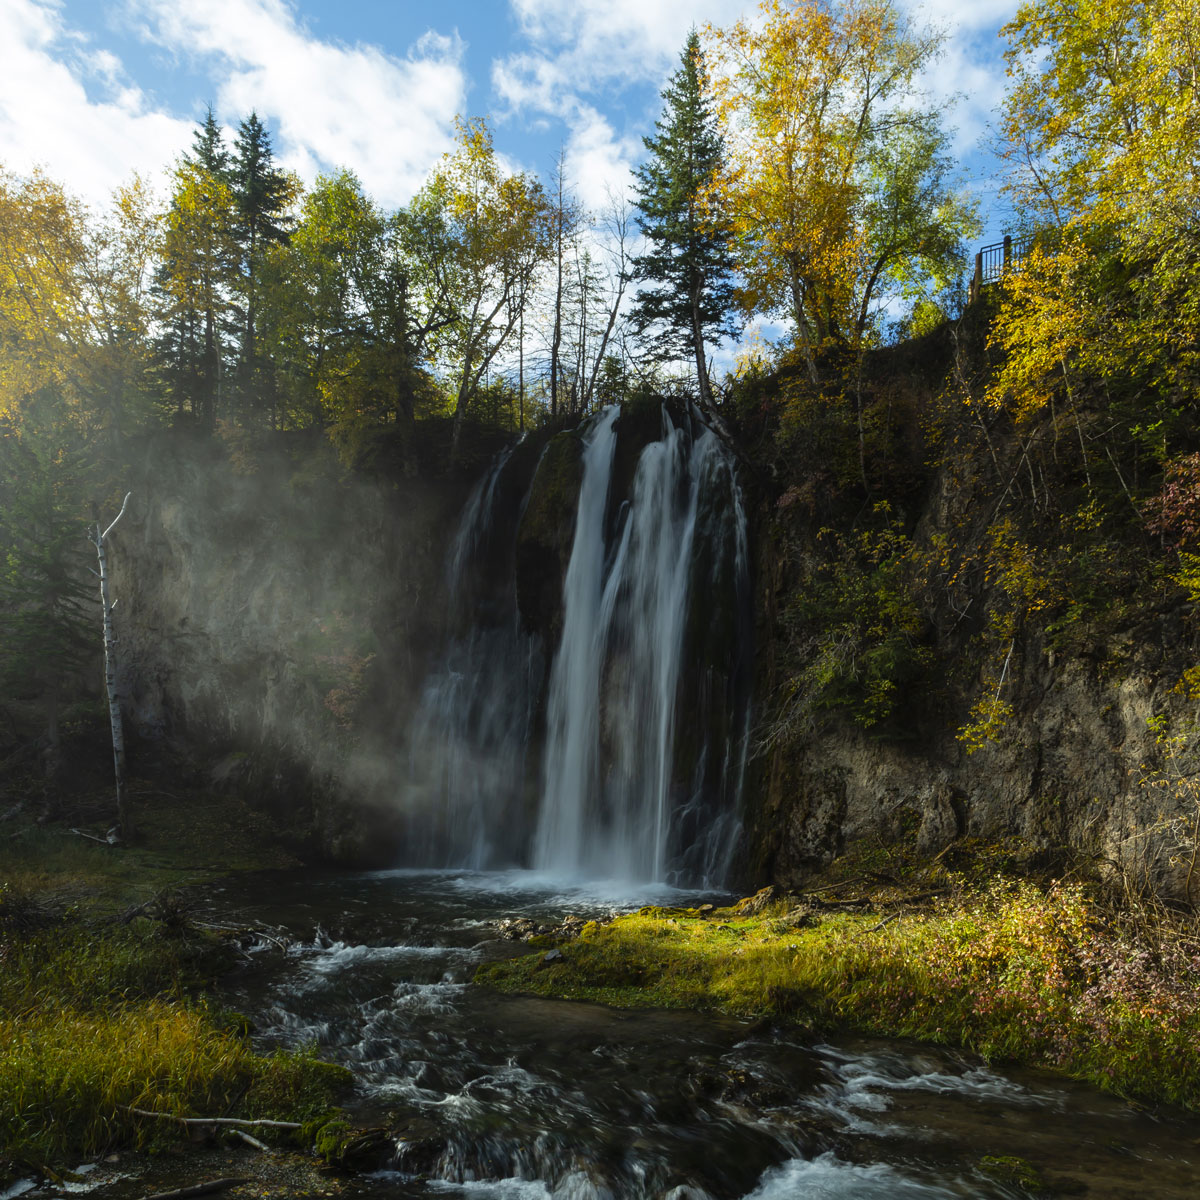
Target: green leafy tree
x=491, y=232
x=1101, y=127
x=687, y=272
x=838, y=189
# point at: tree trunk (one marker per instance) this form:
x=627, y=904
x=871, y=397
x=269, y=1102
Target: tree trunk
x=698, y=345
x=124, y=817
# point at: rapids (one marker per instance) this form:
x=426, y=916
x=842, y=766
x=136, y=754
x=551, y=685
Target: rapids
x=529, y=1099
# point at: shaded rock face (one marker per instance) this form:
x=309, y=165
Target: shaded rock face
x=545, y=534
x=1076, y=771
x=277, y=621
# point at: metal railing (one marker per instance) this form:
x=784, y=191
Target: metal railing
x=992, y=261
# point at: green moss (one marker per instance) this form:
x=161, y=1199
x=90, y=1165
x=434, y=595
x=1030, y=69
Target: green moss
x=99, y=1015
x=328, y=1138
x=1014, y=972
x=1012, y=1170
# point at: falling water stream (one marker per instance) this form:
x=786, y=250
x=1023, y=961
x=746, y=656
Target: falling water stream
x=624, y=759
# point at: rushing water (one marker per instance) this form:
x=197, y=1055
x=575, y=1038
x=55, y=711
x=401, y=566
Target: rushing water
x=529, y=1099
x=632, y=746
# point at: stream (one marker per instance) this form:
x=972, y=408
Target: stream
x=520, y=1098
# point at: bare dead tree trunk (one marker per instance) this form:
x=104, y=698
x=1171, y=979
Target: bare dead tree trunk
x=124, y=818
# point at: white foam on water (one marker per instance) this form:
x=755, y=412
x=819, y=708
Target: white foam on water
x=427, y=997
x=561, y=890
x=864, y=1075
x=336, y=957
x=829, y=1178
x=500, y=1189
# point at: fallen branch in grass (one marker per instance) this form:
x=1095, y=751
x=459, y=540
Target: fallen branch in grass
x=250, y=1140
x=886, y=921
x=162, y=1116
x=833, y=887
x=91, y=837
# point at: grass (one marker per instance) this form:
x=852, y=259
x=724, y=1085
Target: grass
x=1014, y=970
x=98, y=1016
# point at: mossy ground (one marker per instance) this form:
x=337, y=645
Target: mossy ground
x=1014, y=969
x=99, y=1014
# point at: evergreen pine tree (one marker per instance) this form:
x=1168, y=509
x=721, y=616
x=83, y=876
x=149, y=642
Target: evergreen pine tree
x=209, y=151
x=687, y=291
x=263, y=194
x=45, y=634
x=191, y=344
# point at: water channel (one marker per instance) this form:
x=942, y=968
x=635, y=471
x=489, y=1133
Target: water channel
x=521, y=1098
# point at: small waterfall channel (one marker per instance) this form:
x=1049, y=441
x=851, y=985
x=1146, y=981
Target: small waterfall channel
x=602, y=735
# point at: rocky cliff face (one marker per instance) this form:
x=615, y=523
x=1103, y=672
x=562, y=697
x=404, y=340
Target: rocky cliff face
x=1074, y=771
x=284, y=619
x=1079, y=768
x=278, y=616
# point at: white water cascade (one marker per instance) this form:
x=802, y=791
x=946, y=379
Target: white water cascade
x=610, y=790
x=623, y=757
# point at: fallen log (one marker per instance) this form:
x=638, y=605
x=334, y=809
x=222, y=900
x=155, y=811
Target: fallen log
x=250, y=1140
x=162, y=1116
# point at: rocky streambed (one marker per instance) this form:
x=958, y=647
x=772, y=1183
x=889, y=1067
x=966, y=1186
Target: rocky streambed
x=470, y=1093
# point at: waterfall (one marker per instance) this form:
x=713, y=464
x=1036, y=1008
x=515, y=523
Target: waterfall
x=624, y=759
x=612, y=802
x=465, y=768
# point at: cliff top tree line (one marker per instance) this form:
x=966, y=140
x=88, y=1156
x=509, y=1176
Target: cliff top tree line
x=797, y=175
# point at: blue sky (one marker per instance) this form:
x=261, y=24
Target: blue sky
x=94, y=91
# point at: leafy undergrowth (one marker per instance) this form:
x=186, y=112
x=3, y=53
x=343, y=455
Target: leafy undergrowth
x=100, y=1014
x=1014, y=970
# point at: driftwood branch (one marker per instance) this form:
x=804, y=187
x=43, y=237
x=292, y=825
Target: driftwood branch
x=162, y=1116
x=832, y=887
x=250, y=1140
x=91, y=837
x=886, y=921
x=197, y=1189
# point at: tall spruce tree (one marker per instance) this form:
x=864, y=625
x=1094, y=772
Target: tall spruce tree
x=209, y=151
x=196, y=270
x=687, y=273
x=263, y=194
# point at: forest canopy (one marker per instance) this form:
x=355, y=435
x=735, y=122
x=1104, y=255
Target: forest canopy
x=798, y=177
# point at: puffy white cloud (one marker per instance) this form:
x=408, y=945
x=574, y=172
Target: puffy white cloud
x=387, y=117
x=581, y=46
x=71, y=110
x=579, y=53
x=599, y=161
